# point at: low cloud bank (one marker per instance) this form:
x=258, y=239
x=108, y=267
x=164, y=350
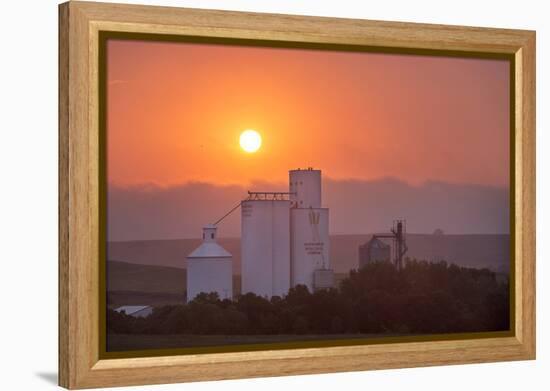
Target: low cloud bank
x=153, y=212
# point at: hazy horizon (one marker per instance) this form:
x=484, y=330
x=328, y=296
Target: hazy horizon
x=151, y=212
x=332, y=234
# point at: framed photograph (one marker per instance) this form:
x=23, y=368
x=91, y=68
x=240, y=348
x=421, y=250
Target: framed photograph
x=248, y=195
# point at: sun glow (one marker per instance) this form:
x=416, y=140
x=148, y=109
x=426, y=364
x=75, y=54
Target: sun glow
x=250, y=141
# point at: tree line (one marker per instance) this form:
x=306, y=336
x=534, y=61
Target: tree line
x=423, y=297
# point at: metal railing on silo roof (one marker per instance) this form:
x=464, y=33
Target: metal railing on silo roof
x=269, y=196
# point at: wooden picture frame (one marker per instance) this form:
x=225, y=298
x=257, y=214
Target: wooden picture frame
x=80, y=361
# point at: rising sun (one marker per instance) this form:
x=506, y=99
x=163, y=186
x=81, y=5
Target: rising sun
x=250, y=141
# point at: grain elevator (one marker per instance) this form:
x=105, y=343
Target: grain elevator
x=285, y=238
x=265, y=244
x=309, y=249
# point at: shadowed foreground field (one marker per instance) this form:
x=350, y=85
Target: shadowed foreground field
x=128, y=342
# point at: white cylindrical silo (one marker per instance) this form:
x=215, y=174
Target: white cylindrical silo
x=305, y=188
x=265, y=247
x=310, y=244
x=209, y=268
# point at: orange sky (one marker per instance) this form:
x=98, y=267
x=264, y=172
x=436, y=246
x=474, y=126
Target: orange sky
x=175, y=112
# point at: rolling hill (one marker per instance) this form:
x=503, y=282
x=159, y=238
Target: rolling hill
x=490, y=251
x=125, y=276
x=135, y=284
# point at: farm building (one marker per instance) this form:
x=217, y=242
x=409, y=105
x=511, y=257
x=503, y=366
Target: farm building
x=374, y=250
x=209, y=267
x=137, y=311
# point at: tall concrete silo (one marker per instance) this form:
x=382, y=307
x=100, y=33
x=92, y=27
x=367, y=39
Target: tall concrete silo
x=265, y=244
x=305, y=188
x=209, y=268
x=309, y=231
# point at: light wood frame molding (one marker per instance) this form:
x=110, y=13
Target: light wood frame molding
x=80, y=365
